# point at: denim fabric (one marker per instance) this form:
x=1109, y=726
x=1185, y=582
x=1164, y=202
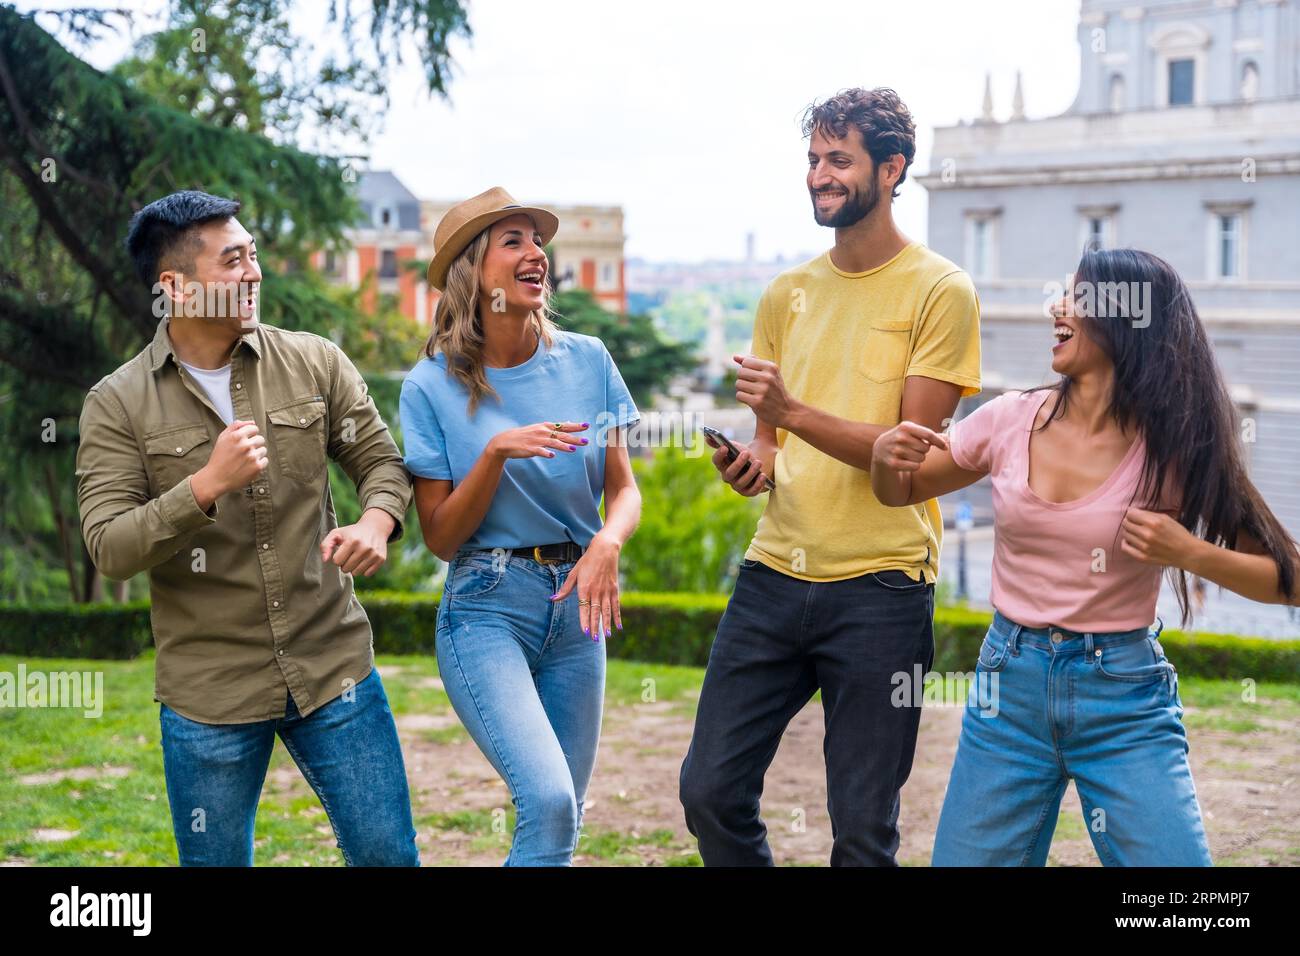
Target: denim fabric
x=779, y=641
x=529, y=687
x=347, y=749
x=1099, y=708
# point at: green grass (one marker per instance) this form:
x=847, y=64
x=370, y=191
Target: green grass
x=1276, y=700
x=124, y=820
x=1231, y=707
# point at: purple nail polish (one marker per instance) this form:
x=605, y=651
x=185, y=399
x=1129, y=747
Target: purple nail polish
x=584, y=441
x=585, y=424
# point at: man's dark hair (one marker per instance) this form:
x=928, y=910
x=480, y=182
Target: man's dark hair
x=879, y=115
x=165, y=230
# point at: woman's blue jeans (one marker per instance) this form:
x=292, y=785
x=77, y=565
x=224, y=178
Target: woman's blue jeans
x=1049, y=705
x=529, y=687
x=347, y=749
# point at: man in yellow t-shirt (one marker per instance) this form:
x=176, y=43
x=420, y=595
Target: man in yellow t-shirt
x=836, y=591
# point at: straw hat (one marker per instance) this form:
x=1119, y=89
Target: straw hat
x=463, y=221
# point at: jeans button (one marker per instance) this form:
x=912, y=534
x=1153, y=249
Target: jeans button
x=1056, y=637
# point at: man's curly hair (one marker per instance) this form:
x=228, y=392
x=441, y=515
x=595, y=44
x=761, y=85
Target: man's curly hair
x=879, y=115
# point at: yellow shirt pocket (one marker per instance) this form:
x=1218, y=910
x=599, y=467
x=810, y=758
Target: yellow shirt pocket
x=889, y=343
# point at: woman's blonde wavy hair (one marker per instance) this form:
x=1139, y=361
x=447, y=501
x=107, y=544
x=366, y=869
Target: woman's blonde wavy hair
x=458, y=327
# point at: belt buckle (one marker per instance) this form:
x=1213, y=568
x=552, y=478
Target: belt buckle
x=537, y=556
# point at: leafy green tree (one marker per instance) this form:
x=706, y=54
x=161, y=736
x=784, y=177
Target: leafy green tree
x=81, y=151
x=694, y=529
x=241, y=64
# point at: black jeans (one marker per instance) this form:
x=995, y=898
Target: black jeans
x=780, y=640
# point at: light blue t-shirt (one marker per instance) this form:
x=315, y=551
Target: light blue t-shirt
x=539, y=500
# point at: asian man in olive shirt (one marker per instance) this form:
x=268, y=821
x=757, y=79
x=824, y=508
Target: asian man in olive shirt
x=203, y=461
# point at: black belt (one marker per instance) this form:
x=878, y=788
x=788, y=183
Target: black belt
x=563, y=552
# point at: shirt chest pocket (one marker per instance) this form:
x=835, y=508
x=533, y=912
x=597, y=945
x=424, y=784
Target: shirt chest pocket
x=889, y=345
x=175, y=452
x=298, y=435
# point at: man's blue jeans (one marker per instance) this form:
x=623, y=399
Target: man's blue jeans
x=1049, y=705
x=347, y=749
x=529, y=687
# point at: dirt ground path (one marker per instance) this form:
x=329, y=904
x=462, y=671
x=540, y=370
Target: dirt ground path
x=1246, y=788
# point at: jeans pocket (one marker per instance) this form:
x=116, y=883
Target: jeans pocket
x=1134, y=662
x=993, y=651
x=475, y=576
x=898, y=581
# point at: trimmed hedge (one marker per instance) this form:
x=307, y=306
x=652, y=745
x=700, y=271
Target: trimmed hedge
x=668, y=628
x=94, y=631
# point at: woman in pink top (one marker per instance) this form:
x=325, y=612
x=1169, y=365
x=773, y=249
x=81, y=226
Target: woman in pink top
x=1128, y=465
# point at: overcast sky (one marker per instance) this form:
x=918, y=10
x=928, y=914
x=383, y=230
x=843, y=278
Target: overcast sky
x=686, y=112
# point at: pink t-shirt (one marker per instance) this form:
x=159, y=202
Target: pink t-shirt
x=1055, y=564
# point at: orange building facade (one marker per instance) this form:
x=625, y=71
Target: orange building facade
x=393, y=242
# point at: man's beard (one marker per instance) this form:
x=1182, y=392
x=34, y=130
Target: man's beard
x=856, y=207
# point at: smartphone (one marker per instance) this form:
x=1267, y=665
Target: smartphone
x=721, y=440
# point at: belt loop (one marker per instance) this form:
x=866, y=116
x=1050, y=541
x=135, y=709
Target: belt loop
x=1160, y=625
x=1087, y=643
x=1013, y=645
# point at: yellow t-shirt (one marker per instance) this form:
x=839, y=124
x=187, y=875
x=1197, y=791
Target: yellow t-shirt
x=845, y=343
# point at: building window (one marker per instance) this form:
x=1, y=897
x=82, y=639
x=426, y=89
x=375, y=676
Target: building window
x=607, y=277
x=1097, y=227
x=980, y=247
x=1098, y=232
x=1182, y=63
x=331, y=264
x=981, y=244
x=561, y=275
x=1116, y=93
x=1182, y=82
x=1228, y=245
x=388, y=264
x=1249, y=81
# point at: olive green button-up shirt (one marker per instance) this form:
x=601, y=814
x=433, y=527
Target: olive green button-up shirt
x=244, y=610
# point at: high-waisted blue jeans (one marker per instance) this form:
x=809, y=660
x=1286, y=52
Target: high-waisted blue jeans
x=529, y=687
x=1049, y=705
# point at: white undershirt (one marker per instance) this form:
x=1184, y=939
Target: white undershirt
x=215, y=383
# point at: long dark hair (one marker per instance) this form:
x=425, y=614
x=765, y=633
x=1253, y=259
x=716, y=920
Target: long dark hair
x=1168, y=387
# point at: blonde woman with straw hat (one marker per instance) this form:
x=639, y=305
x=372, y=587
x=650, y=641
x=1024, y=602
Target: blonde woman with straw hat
x=514, y=431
